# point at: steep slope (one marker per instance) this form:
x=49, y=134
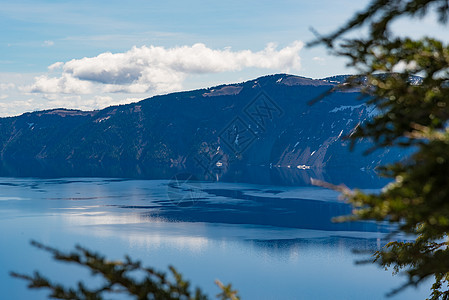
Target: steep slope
x=236, y=131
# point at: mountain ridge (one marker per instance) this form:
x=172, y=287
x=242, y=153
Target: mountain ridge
x=215, y=133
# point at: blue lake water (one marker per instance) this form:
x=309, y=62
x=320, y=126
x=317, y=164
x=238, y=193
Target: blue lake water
x=270, y=242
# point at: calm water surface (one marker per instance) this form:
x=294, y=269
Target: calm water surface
x=271, y=242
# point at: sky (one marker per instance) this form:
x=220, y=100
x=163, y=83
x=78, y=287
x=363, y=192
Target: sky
x=93, y=54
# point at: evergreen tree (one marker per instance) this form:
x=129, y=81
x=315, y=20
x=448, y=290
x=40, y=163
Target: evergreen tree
x=413, y=112
x=126, y=277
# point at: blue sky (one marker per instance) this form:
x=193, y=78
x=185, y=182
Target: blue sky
x=102, y=53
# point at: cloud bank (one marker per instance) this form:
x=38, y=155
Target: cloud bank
x=151, y=69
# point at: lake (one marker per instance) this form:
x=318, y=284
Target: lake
x=269, y=241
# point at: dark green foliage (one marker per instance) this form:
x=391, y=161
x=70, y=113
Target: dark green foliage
x=120, y=277
x=412, y=113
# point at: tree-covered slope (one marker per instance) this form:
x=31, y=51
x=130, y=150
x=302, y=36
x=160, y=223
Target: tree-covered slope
x=265, y=123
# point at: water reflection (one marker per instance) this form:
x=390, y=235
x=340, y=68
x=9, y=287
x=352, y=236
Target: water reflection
x=276, y=237
x=231, y=206
x=265, y=175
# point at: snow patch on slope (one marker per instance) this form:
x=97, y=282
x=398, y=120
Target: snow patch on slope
x=344, y=107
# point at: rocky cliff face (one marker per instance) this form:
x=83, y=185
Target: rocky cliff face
x=238, y=131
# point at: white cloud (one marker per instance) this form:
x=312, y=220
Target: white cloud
x=16, y=107
x=66, y=84
x=99, y=102
x=48, y=43
x=120, y=78
x=83, y=102
x=55, y=66
x=7, y=86
x=62, y=101
x=158, y=69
